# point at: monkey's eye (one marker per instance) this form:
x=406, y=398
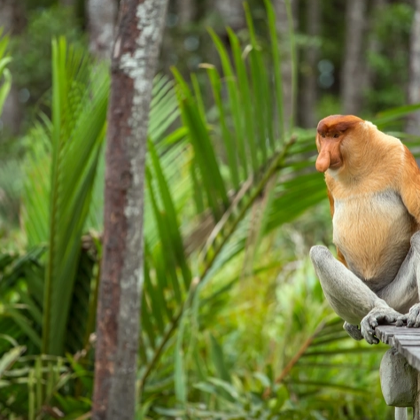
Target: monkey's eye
x=323, y=136
x=336, y=136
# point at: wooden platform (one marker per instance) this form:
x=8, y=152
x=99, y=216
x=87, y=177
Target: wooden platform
x=405, y=340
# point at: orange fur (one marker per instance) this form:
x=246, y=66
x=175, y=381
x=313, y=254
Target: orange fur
x=410, y=187
x=336, y=124
x=374, y=190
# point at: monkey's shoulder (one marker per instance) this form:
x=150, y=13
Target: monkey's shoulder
x=378, y=182
x=387, y=165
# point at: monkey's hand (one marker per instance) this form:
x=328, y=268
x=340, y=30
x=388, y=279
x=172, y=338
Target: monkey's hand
x=412, y=319
x=353, y=331
x=381, y=315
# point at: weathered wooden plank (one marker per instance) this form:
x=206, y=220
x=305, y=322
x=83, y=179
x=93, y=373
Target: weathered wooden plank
x=392, y=330
x=407, y=343
x=405, y=340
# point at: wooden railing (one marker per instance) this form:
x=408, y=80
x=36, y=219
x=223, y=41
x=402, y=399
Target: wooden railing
x=400, y=369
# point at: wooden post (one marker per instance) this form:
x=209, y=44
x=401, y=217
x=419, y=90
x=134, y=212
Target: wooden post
x=401, y=413
x=416, y=409
x=400, y=369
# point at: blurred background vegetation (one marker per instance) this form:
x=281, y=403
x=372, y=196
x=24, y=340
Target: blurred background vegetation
x=234, y=321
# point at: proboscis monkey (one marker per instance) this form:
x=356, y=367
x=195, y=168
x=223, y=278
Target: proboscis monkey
x=374, y=190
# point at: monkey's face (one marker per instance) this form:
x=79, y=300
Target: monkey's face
x=329, y=156
x=331, y=133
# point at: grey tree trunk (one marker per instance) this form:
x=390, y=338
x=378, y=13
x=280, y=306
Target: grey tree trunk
x=311, y=58
x=352, y=74
x=11, y=116
x=9, y=20
x=413, y=120
x=7, y=15
x=374, y=45
x=186, y=11
x=282, y=23
x=232, y=13
x=67, y=3
x=101, y=15
x=134, y=61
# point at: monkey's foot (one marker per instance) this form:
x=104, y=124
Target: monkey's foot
x=413, y=317
x=353, y=331
x=375, y=317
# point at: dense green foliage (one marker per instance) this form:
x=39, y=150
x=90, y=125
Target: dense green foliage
x=234, y=325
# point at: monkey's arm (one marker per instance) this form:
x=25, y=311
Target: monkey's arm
x=340, y=256
x=349, y=296
x=410, y=186
x=352, y=330
x=410, y=194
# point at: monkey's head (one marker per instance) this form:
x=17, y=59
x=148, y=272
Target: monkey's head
x=331, y=132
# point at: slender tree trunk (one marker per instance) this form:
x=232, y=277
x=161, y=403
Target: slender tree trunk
x=413, y=120
x=374, y=45
x=232, y=13
x=8, y=15
x=186, y=11
x=282, y=23
x=134, y=61
x=101, y=22
x=310, y=71
x=352, y=75
x=12, y=24
x=11, y=116
x=12, y=16
x=67, y=3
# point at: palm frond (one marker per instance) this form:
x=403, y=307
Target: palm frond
x=224, y=186
x=80, y=96
x=5, y=76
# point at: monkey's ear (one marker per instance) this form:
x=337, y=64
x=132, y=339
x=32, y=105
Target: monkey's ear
x=337, y=124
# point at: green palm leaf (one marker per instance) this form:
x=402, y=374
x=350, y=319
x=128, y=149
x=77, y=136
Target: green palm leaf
x=224, y=187
x=80, y=96
x=5, y=76
x=72, y=190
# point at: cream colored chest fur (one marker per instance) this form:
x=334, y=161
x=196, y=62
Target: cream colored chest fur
x=372, y=230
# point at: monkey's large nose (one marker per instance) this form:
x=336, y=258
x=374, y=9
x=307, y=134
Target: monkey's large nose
x=323, y=161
